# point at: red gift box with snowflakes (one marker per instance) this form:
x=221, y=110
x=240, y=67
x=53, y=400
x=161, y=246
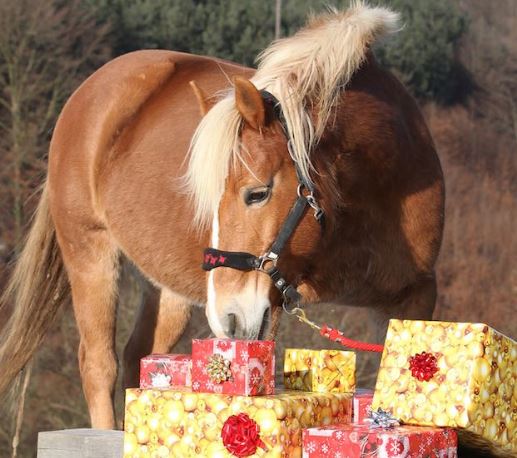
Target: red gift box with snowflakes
x=229, y=366
x=361, y=405
x=355, y=441
x=165, y=371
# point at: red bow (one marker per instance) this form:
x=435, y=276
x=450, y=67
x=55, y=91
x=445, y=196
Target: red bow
x=241, y=435
x=423, y=366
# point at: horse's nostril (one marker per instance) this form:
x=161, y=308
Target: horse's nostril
x=232, y=324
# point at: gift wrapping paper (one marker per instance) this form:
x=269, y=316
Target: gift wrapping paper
x=450, y=374
x=322, y=371
x=165, y=371
x=357, y=441
x=185, y=424
x=251, y=363
x=361, y=405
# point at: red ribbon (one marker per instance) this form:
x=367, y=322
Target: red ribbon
x=241, y=435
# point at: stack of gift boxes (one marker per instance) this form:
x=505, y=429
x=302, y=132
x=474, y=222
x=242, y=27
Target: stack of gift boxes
x=221, y=401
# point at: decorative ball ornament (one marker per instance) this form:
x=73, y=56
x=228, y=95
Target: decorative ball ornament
x=218, y=368
x=423, y=366
x=241, y=435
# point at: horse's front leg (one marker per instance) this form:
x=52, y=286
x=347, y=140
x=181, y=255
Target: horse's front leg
x=416, y=302
x=160, y=323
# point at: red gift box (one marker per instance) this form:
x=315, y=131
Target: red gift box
x=355, y=441
x=165, y=371
x=240, y=367
x=362, y=404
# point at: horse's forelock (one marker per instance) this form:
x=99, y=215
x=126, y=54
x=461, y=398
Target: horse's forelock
x=212, y=148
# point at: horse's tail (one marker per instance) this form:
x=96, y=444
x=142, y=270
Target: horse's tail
x=37, y=288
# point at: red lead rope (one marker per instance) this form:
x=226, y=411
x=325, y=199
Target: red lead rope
x=337, y=336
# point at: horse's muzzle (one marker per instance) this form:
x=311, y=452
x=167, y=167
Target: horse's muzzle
x=238, y=328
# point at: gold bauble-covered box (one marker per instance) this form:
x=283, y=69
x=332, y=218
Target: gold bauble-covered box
x=462, y=375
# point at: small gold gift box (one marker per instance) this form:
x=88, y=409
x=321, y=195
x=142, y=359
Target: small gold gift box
x=321, y=371
x=450, y=374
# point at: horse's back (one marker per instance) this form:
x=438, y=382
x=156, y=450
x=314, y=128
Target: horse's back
x=100, y=110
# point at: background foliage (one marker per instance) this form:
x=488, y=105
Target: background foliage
x=423, y=53
x=458, y=57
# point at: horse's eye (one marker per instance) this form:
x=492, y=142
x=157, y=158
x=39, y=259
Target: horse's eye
x=257, y=195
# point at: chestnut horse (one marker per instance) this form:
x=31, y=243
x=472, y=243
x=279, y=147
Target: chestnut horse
x=121, y=181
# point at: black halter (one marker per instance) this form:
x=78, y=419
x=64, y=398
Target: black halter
x=267, y=262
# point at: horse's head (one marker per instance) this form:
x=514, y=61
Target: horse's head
x=260, y=189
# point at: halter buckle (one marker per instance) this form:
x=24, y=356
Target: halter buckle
x=267, y=262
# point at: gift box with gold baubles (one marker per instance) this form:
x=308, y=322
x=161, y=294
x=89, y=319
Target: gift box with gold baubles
x=229, y=366
x=461, y=375
x=322, y=371
x=187, y=424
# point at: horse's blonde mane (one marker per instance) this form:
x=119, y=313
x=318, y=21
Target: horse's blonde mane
x=310, y=67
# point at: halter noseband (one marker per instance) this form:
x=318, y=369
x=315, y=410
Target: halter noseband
x=266, y=263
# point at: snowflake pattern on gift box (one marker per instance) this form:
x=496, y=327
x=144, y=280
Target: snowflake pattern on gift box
x=311, y=447
x=195, y=385
x=394, y=447
x=325, y=448
x=256, y=377
x=244, y=355
x=200, y=364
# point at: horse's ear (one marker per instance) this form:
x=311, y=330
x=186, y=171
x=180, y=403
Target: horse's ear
x=249, y=102
x=205, y=102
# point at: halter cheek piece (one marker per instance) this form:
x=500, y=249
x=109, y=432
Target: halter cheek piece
x=266, y=263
